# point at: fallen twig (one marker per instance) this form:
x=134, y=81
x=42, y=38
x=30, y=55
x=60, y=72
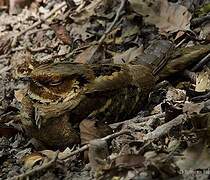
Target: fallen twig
x=38, y=169
x=165, y=128
x=113, y=23
x=201, y=63
x=85, y=147
x=101, y=40
x=137, y=119
x=201, y=97
x=39, y=49
x=37, y=23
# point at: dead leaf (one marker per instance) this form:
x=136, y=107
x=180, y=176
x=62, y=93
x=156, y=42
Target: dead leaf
x=130, y=161
x=40, y=158
x=203, y=80
x=192, y=108
x=174, y=94
x=91, y=129
x=98, y=153
x=15, y=6
x=33, y=159
x=85, y=13
x=61, y=33
x=195, y=157
x=127, y=56
x=19, y=94
x=89, y=55
x=168, y=17
x=7, y=131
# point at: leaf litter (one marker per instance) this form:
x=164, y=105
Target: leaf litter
x=167, y=139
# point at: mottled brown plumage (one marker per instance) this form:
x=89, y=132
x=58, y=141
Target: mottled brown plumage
x=67, y=92
x=61, y=95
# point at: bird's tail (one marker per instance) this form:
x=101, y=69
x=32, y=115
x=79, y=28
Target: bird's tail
x=165, y=60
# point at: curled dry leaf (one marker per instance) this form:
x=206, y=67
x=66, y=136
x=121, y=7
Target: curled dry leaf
x=168, y=17
x=203, y=80
x=33, y=159
x=40, y=158
x=19, y=94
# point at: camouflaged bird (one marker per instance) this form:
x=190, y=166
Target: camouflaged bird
x=62, y=95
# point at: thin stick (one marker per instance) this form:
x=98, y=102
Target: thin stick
x=63, y=4
x=101, y=40
x=114, y=22
x=137, y=120
x=165, y=128
x=201, y=63
x=85, y=147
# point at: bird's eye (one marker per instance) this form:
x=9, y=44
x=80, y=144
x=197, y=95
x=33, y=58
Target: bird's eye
x=55, y=83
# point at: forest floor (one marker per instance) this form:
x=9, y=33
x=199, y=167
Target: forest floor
x=167, y=139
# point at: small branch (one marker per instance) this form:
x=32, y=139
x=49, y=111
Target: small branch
x=165, y=128
x=201, y=63
x=113, y=23
x=38, y=169
x=85, y=147
x=101, y=40
x=137, y=120
x=33, y=50
x=201, y=97
x=48, y=58
x=38, y=30
x=37, y=23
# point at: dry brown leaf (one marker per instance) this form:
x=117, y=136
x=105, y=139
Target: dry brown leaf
x=192, y=108
x=98, y=153
x=174, y=94
x=195, y=157
x=128, y=55
x=61, y=33
x=130, y=161
x=33, y=159
x=203, y=80
x=90, y=129
x=7, y=131
x=40, y=158
x=85, y=13
x=168, y=17
x=89, y=55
